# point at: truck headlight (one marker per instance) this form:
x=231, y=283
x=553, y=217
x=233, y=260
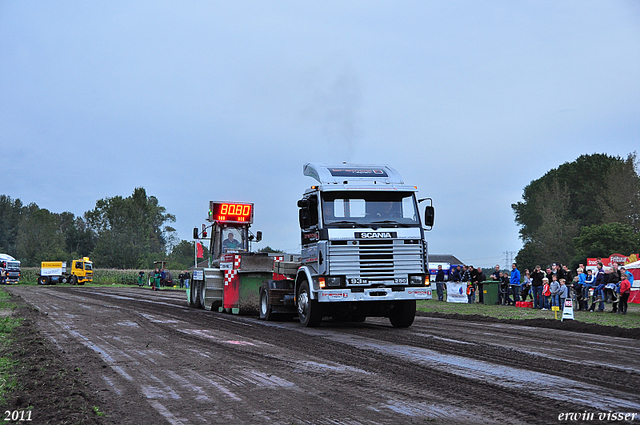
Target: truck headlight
x=334, y=281
x=420, y=280
x=416, y=280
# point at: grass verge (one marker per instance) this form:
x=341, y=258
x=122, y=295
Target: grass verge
x=7, y=364
x=630, y=321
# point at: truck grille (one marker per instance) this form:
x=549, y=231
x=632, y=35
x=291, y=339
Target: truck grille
x=376, y=260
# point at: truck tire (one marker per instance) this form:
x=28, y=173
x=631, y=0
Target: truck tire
x=191, y=299
x=64, y=279
x=308, y=310
x=74, y=280
x=43, y=280
x=266, y=312
x=403, y=314
x=202, y=293
x=195, y=293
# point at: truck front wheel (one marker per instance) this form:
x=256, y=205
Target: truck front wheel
x=403, y=314
x=74, y=280
x=308, y=309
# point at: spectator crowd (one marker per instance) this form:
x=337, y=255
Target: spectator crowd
x=550, y=287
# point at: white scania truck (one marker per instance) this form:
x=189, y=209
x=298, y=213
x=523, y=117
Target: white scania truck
x=363, y=253
x=363, y=249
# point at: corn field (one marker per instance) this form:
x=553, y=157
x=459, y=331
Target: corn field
x=100, y=276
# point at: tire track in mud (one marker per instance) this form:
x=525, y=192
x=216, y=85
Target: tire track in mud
x=528, y=356
x=351, y=358
x=493, y=357
x=325, y=386
x=420, y=372
x=409, y=405
x=532, y=357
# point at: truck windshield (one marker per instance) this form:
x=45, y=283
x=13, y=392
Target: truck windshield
x=233, y=240
x=88, y=266
x=369, y=208
x=13, y=265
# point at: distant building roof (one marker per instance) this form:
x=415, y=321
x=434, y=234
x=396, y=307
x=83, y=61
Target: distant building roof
x=444, y=258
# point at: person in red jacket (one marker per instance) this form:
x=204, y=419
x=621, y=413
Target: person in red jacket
x=546, y=293
x=625, y=291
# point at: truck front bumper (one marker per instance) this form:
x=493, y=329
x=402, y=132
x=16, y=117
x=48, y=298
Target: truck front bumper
x=373, y=294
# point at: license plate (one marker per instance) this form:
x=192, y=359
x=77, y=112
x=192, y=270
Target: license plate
x=358, y=281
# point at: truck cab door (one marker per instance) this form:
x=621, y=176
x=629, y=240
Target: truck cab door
x=308, y=217
x=309, y=231
x=78, y=268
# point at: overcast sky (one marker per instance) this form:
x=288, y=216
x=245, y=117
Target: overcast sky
x=199, y=101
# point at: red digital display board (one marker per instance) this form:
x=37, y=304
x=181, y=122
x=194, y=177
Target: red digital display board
x=230, y=212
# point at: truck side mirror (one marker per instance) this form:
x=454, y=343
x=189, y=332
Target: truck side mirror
x=429, y=215
x=303, y=203
x=258, y=235
x=305, y=220
x=195, y=233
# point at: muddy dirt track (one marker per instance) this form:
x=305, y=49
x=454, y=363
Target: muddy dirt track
x=152, y=359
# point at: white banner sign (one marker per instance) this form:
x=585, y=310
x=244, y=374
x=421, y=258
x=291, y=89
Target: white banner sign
x=51, y=272
x=457, y=292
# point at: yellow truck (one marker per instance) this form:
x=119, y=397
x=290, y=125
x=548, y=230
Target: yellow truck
x=52, y=272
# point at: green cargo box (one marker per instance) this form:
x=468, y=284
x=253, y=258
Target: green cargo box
x=249, y=292
x=490, y=291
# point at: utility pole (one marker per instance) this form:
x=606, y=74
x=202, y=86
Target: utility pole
x=508, y=259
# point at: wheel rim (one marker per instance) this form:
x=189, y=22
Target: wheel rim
x=303, y=304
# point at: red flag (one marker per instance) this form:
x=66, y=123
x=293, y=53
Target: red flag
x=200, y=250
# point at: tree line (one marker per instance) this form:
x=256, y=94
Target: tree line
x=583, y=209
x=124, y=233
x=586, y=208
